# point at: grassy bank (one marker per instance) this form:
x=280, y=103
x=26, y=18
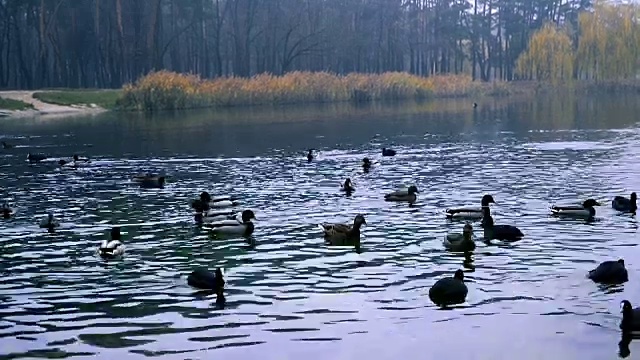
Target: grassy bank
x=167, y=91
x=13, y=105
x=106, y=99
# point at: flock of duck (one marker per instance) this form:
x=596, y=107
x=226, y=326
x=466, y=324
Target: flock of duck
x=220, y=216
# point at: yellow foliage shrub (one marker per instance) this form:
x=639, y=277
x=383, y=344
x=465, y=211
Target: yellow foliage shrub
x=166, y=90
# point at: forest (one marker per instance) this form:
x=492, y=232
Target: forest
x=110, y=43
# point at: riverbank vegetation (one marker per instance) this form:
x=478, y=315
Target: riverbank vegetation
x=167, y=90
x=106, y=99
x=13, y=105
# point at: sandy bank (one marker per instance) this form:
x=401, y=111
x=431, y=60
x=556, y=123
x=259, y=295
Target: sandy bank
x=44, y=109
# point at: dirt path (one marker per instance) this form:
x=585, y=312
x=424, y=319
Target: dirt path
x=42, y=108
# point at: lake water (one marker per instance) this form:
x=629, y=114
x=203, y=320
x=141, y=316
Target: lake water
x=289, y=295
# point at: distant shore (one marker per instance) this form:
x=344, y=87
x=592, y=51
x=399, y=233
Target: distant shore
x=55, y=103
x=172, y=91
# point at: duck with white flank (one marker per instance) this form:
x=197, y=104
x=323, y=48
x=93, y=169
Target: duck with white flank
x=233, y=226
x=35, y=158
x=460, y=242
x=610, y=272
x=449, y=290
x=585, y=211
x=471, y=213
x=508, y=233
x=623, y=204
x=343, y=234
x=408, y=195
x=110, y=249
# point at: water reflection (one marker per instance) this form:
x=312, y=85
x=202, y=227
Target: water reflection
x=284, y=285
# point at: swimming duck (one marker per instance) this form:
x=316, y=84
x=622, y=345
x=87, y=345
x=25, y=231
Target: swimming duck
x=343, y=234
x=149, y=181
x=366, y=164
x=403, y=195
x=347, y=186
x=110, y=249
x=75, y=162
x=584, y=211
x=49, y=223
x=499, y=232
x=630, y=317
x=623, y=204
x=471, y=213
x=35, y=158
x=460, y=242
x=233, y=226
x=6, y=146
x=310, y=155
x=610, y=272
x=388, y=152
x=6, y=211
x=449, y=290
x=204, y=279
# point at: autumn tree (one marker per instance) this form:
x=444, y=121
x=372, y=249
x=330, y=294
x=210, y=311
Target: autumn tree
x=609, y=42
x=549, y=56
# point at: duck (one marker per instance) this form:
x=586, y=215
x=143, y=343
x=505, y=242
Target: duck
x=347, y=186
x=49, y=223
x=610, y=272
x=508, y=233
x=630, y=317
x=110, y=249
x=343, y=234
x=6, y=212
x=623, y=204
x=204, y=279
x=366, y=164
x=449, y=291
x=475, y=105
x=5, y=145
x=584, y=211
x=150, y=181
x=408, y=195
x=460, y=242
x=310, y=155
x=388, y=152
x=35, y=158
x=233, y=226
x=471, y=213
x=75, y=162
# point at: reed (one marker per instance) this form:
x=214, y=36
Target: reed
x=166, y=90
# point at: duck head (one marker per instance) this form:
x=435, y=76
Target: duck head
x=627, y=316
x=359, y=221
x=247, y=215
x=347, y=184
x=621, y=262
x=590, y=203
x=205, y=197
x=6, y=212
x=487, y=199
x=161, y=180
x=115, y=233
x=459, y=274
x=413, y=190
x=76, y=157
x=218, y=273
x=467, y=231
x=366, y=162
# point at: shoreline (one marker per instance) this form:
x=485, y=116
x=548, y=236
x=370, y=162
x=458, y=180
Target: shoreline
x=44, y=109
